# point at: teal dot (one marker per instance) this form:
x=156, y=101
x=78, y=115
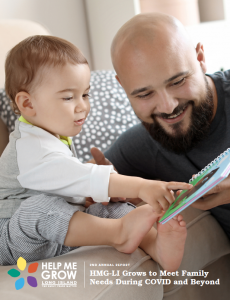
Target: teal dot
x=19, y=283
x=13, y=273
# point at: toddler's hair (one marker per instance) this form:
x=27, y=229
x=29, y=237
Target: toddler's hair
x=31, y=55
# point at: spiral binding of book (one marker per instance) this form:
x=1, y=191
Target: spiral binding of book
x=210, y=164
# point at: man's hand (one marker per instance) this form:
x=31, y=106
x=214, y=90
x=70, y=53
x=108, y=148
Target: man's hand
x=88, y=201
x=219, y=195
x=99, y=159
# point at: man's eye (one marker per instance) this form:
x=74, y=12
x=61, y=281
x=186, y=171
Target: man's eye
x=86, y=95
x=144, y=96
x=67, y=98
x=179, y=82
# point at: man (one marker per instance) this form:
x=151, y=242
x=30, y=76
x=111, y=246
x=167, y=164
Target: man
x=185, y=114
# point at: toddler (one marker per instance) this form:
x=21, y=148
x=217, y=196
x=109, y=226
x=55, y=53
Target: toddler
x=43, y=185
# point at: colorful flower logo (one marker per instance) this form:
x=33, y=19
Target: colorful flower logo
x=21, y=263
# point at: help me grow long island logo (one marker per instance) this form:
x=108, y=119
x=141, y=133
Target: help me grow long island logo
x=21, y=264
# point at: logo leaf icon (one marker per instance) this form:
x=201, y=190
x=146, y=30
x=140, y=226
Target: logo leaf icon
x=33, y=268
x=19, y=283
x=13, y=273
x=32, y=281
x=21, y=263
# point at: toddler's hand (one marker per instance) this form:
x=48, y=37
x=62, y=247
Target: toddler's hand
x=159, y=194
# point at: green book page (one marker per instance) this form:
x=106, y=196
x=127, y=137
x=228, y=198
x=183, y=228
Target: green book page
x=181, y=201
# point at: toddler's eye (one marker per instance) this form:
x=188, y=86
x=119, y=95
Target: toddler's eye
x=67, y=98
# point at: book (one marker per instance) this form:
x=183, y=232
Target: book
x=205, y=180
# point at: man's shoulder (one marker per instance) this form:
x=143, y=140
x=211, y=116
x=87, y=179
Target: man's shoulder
x=132, y=143
x=135, y=135
x=225, y=74
x=220, y=75
x=221, y=80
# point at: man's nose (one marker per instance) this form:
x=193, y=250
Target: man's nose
x=166, y=103
x=81, y=105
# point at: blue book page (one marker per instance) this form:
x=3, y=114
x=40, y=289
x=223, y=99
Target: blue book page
x=211, y=176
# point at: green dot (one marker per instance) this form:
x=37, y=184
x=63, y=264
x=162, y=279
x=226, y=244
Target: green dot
x=13, y=273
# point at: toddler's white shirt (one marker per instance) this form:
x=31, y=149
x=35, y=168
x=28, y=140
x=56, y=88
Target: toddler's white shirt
x=36, y=161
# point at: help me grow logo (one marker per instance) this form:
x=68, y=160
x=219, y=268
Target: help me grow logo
x=21, y=264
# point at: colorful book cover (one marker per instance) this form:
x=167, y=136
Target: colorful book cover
x=210, y=176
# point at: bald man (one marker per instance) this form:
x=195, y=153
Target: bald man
x=184, y=113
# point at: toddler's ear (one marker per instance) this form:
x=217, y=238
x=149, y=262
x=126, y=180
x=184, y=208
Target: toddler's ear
x=23, y=101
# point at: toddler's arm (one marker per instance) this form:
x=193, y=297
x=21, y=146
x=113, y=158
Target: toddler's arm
x=156, y=193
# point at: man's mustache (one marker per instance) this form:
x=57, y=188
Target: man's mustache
x=175, y=111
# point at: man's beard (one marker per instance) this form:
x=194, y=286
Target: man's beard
x=181, y=142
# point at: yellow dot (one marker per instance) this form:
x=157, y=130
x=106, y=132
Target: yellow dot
x=21, y=263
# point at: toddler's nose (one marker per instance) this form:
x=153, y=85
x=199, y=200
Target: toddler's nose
x=81, y=105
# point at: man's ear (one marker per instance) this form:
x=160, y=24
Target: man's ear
x=23, y=101
x=201, y=57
